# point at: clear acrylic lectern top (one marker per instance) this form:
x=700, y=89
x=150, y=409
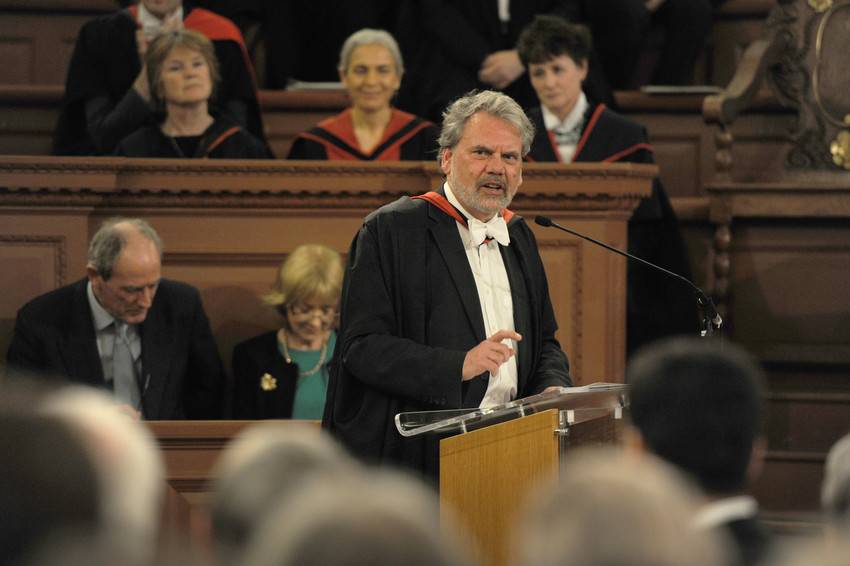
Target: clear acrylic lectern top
x=594, y=396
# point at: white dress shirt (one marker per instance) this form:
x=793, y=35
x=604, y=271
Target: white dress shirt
x=726, y=510
x=494, y=294
x=150, y=24
x=567, y=131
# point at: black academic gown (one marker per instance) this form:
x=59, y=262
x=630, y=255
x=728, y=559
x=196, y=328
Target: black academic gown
x=182, y=376
x=407, y=138
x=224, y=139
x=410, y=313
x=104, y=66
x=657, y=305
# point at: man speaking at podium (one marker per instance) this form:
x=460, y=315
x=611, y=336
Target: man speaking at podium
x=445, y=303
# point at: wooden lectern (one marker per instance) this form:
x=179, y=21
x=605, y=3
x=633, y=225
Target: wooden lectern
x=504, y=453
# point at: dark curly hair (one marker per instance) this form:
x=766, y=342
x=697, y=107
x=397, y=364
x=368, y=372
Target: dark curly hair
x=551, y=36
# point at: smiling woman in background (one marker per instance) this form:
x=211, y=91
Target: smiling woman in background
x=370, y=68
x=284, y=373
x=182, y=76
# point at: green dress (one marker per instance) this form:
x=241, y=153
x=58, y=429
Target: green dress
x=310, y=391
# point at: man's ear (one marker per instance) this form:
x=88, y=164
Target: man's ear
x=446, y=161
x=91, y=272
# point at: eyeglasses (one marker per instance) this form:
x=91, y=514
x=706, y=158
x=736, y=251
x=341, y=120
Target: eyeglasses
x=300, y=311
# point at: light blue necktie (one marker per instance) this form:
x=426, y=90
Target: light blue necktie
x=123, y=369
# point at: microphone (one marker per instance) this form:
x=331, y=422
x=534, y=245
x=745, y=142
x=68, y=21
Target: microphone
x=712, y=318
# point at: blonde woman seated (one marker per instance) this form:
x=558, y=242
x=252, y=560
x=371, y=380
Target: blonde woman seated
x=284, y=373
x=370, y=68
x=182, y=75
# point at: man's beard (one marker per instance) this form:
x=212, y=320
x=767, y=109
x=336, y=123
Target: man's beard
x=471, y=198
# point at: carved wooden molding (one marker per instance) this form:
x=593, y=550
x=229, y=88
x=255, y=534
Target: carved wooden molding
x=801, y=58
x=57, y=243
x=121, y=182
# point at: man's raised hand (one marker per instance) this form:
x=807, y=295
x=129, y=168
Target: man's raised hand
x=489, y=355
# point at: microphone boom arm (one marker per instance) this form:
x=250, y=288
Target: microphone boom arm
x=711, y=318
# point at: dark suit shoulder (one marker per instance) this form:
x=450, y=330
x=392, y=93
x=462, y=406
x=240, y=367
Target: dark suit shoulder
x=178, y=288
x=177, y=297
x=518, y=228
x=46, y=307
x=259, y=342
x=405, y=207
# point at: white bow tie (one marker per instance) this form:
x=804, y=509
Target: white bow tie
x=495, y=228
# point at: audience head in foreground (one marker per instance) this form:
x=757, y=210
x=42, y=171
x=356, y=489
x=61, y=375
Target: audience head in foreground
x=48, y=486
x=699, y=406
x=266, y=465
x=128, y=463
x=612, y=509
x=376, y=518
x=697, y=403
x=284, y=373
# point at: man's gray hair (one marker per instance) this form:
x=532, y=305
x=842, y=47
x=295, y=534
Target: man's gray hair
x=110, y=239
x=369, y=36
x=127, y=461
x=494, y=103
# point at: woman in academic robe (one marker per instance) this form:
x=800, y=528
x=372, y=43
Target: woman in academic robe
x=370, y=68
x=182, y=76
x=569, y=128
x=106, y=93
x=283, y=374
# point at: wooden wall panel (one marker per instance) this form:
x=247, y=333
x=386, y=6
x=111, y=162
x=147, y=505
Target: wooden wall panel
x=35, y=48
x=39, y=251
x=808, y=421
x=684, y=150
x=781, y=311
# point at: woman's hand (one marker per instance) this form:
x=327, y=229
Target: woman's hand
x=501, y=68
x=140, y=85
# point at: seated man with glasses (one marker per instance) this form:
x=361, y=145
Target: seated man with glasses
x=284, y=373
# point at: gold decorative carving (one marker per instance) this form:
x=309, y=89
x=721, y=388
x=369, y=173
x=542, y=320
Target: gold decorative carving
x=819, y=55
x=840, y=149
x=820, y=5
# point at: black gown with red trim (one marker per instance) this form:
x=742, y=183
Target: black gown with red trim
x=657, y=305
x=406, y=138
x=410, y=312
x=224, y=139
x=101, y=108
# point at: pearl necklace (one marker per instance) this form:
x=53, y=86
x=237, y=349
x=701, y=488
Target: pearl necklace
x=315, y=368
